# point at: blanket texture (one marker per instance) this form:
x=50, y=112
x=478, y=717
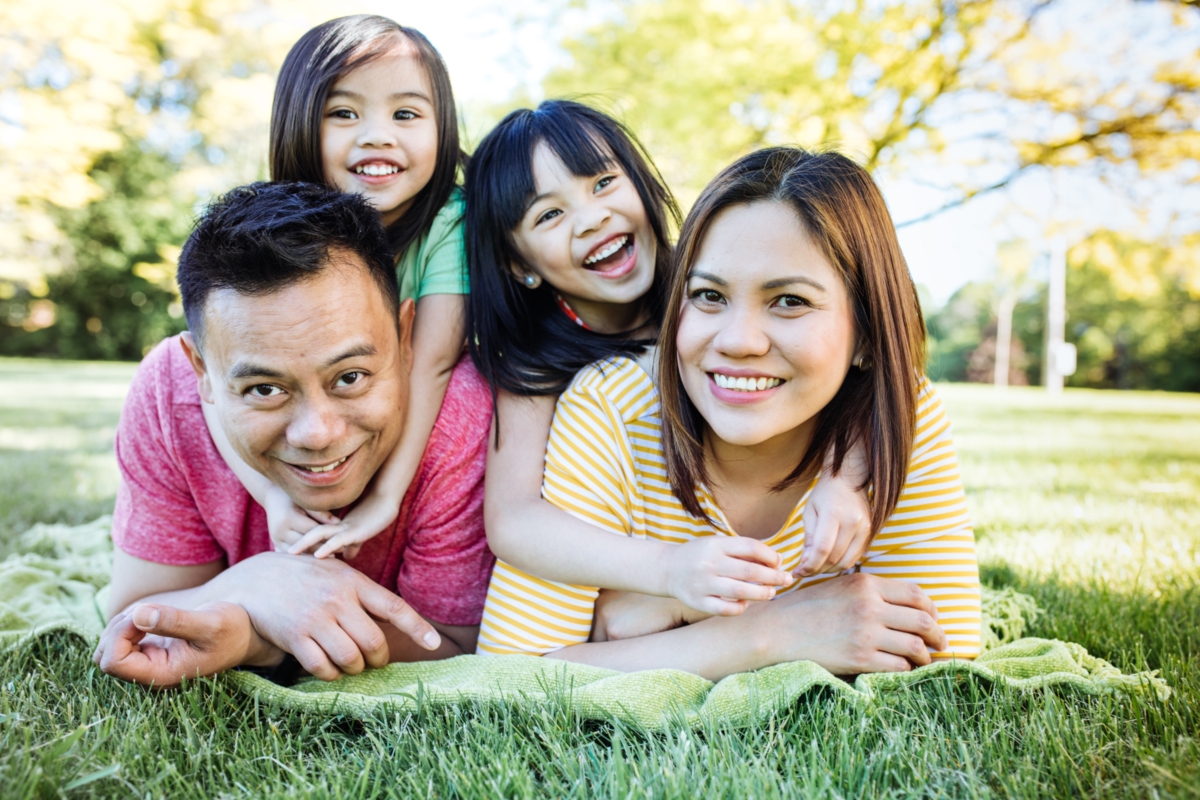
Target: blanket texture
x=52, y=582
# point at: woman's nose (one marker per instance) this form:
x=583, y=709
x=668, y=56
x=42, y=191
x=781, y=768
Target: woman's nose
x=741, y=335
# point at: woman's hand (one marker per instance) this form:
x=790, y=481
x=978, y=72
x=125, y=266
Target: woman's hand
x=722, y=575
x=837, y=519
x=288, y=522
x=854, y=624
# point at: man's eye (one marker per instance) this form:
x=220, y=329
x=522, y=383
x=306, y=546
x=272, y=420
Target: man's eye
x=264, y=390
x=549, y=215
x=351, y=378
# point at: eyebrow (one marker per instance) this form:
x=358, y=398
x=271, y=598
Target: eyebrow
x=243, y=370
x=394, y=96
x=777, y=283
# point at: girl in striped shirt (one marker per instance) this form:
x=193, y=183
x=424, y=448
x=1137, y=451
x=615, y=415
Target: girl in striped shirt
x=793, y=334
x=566, y=227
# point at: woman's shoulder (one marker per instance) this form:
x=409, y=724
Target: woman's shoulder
x=620, y=382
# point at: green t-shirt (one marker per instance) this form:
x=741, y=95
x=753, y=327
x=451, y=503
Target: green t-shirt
x=436, y=263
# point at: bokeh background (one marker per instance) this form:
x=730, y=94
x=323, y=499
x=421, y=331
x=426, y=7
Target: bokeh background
x=997, y=128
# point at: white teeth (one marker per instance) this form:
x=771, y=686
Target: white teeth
x=376, y=169
x=327, y=467
x=745, y=384
x=609, y=249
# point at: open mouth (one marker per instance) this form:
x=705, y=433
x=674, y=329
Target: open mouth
x=610, y=255
x=376, y=169
x=751, y=384
x=326, y=468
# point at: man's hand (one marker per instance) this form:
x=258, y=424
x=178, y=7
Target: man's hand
x=322, y=611
x=722, y=574
x=158, y=645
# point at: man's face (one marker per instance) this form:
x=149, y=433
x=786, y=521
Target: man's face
x=310, y=383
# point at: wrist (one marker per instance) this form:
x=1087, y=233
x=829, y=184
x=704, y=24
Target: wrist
x=660, y=581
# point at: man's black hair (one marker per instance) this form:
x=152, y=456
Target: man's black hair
x=263, y=237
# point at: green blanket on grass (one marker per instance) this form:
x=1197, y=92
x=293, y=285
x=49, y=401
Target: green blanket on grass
x=51, y=584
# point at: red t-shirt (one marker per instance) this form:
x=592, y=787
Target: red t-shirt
x=179, y=503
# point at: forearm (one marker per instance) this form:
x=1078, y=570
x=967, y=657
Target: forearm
x=456, y=640
x=543, y=540
x=713, y=648
x=393, y=479
x=255, y=482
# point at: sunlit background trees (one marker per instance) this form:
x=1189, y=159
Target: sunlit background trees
x=1002, y=122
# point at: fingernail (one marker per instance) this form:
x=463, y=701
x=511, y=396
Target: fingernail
x=432, y=640
x=146, y=617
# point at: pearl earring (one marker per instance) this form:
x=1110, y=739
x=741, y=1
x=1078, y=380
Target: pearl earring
x=531, y=281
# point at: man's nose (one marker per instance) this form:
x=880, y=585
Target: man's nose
x=316, y=425
x=742, y=334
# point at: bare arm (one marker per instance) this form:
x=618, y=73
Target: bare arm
x=438, y=337
x=714, y=575
x=255, y=482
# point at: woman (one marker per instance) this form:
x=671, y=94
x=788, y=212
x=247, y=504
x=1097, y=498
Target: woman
x=793, y=334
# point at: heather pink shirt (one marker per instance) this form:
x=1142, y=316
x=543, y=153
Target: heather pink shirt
x=179, y=503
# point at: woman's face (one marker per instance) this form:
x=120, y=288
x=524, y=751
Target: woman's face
x=766, y=332
x=590, y=239
x=379, y=134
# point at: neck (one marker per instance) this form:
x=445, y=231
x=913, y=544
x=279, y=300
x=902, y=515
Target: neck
x=609, y=318
x=758, y=467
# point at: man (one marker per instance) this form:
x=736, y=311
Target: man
x=297, y=338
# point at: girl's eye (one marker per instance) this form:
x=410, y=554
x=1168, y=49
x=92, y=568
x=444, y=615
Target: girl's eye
x=706, y=296
x=351, y=378
x=604, y=182
x=343, y=113
x=264, y=390
x=549, y=215
x=792, y=301
x=404, y=114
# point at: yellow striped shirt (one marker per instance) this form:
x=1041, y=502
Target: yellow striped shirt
x=605, y=465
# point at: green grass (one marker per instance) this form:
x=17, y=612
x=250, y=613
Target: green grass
x=1089, y=502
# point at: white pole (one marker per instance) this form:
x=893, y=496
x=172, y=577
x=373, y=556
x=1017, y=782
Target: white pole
x=1056, y=316
x=1003, y=339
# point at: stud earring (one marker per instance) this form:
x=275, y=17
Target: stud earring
x=531, y=281
x=863, y=362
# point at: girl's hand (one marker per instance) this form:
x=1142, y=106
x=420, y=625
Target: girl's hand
x=722, y=575
x=837, y=527
x=288, y=522
x=626, y=615
x=368, y=519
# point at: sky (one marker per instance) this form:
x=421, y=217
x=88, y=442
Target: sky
x=493, y=51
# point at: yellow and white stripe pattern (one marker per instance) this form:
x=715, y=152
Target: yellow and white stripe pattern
x=605, y=465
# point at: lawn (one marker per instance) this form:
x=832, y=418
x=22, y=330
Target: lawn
x=1090, y=502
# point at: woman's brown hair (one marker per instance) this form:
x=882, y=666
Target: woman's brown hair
x=843, y=212
x=314, y=65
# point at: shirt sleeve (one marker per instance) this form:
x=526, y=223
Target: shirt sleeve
x=156, y=518
x=929, y=540
x=445, y=257
x=446, y=563
x=589, y=475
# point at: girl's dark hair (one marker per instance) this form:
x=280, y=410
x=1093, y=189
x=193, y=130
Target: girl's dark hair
x=314, y=65
x=843, y=212
x=520, y=339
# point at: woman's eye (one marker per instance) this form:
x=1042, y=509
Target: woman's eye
x=404, y=115
x=548, y=215
x=792, y=301
x=351, y=378
x=706, y=296
x=264, y=390
x=605, y=181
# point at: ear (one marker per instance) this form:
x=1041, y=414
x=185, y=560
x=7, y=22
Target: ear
x=525, y=277
x=408, y=310
x=192, y=351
